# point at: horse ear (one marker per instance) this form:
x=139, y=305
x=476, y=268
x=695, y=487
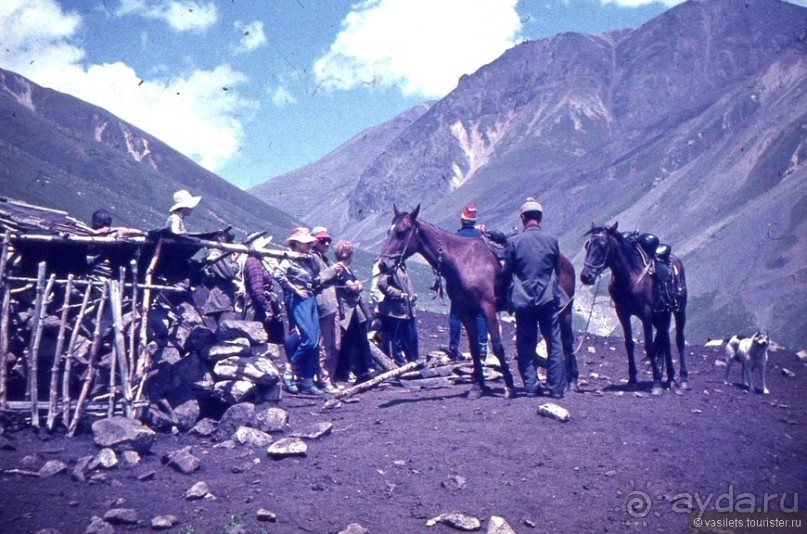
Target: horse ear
x=613, y=228
x=414, y=214
x=395, y=211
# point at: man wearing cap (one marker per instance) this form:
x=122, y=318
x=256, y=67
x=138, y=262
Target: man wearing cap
x=531, y=270
x=184, y=203
x=467, y=229
x=327, y=306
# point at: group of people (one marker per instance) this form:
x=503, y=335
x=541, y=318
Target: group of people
x=326, y=341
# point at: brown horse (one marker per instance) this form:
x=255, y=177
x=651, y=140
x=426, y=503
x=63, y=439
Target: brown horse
x=470, y=270
x=633, y=291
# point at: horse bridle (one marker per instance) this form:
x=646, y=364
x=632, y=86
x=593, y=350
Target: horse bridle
x=400, y=255
x=598, y=269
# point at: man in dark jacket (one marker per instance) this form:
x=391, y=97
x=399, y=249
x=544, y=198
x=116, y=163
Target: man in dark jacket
x=531, y=268
x=397, y=311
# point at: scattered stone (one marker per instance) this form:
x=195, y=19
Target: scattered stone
x=121, y=516
x=354, y=528
x=802, y=356
x=52, y=467
x=48, y=531
x=121, y=433
x=265, y=515
x=499, y=525
x=106, y=458
x=331, y=404
x=529, y=523
x=227, y=349
x=233, y=391
x=272, y=420
x=186, y=413
x=148, y=475
x=236, y=416
x=592, y=350
x=697, y=411
x=714, y=343
x=610, y=473
x=554, y=411
x=466, y=523
x=286, y=447
x=226, y=444
x=315, y=431
x=99, y=526
x=252, y=331
x=197, y=491
x=454, y=483
x=131, y=458
x=788, y=373
x=79, y=471
x=163, y=522
x=257, y=370
x=182, y=461
x=250, y=436
x=205, y=427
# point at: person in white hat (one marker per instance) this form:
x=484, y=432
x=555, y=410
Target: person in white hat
x=184, y=203
x=531, y=270
x=297, y=278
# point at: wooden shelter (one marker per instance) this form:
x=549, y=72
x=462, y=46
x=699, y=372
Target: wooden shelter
x=50, y=283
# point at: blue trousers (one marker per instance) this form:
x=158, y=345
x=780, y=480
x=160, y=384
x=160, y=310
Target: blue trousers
x=455, y=331
x=403, y=339
x=304, y=315
x=528, y=323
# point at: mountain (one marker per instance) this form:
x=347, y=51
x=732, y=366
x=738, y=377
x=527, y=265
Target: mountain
x=691, y=127
x=61, y=152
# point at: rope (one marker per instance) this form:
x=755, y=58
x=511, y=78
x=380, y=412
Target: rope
x=590, y=313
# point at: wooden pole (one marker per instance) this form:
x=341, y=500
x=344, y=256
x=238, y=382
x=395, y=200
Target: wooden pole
x=383, y=360
x=40, y=307
x=143, y=362
x=96, y=344
x=68, y=361
x=116, y=302
x=98, y=283
x=5, y=307
x=142, y=240
x=57, y=354
x=364, y=386
x=133, y=321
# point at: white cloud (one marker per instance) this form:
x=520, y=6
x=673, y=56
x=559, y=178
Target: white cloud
x=181, y=15
x=423, y=46
x=252, y=36
x=638, y=3
x=281, y=96
x=191, y=111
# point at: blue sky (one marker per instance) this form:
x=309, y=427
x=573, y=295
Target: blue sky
x=251, y=89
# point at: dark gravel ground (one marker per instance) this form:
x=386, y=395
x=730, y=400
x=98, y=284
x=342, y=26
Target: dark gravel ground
x=397, y=458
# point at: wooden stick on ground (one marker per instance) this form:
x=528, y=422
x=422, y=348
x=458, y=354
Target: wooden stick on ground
x=57, y=354
x=364, y=386
x=96, y=344
x=68, y=361
x=383, y=360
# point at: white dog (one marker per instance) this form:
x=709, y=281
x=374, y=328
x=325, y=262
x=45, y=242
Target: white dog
x=752, y=353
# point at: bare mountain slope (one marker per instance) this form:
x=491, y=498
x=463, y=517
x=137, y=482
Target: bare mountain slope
x=691, y=126
x=61, y=152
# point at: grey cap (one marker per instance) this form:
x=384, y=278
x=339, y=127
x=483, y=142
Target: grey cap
x=531, y=205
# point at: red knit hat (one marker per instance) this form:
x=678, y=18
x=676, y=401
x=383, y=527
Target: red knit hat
x=469, y=213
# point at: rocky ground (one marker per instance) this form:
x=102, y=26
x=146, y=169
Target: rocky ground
x=398, y=457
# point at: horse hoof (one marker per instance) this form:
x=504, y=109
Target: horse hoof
x=685, y=386
x=657, y=390
x=509, y=393
x=474, y=393
x=574, y=386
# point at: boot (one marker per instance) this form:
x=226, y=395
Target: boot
x=289, y=384
x=307, y=387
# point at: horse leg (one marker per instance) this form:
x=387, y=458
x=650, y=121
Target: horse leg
x=567, y=341
x=627, y=331
x=478, y=387
x=650, y=351
x=680, y=342
x=494, y=330
x=663, y=348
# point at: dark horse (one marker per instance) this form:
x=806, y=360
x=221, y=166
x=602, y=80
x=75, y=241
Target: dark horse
x=470, y=270
x=633, y=290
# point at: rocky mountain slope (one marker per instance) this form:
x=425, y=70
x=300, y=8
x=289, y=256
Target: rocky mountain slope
x=691, y=126
x=61, y=152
